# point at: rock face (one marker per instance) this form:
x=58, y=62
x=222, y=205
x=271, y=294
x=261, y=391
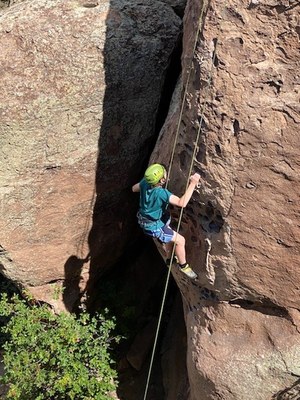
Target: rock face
x=78, y=111
x=9, y=3
x=80, y=85
x=242, y=228
x=242, y=353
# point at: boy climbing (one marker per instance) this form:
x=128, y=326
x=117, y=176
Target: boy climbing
x=153, y=217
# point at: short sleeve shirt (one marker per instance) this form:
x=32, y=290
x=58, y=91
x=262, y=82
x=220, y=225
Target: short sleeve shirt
x=153, y=201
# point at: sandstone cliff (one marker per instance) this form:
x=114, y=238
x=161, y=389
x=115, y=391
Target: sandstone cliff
x=81, y=85
x=242, y=227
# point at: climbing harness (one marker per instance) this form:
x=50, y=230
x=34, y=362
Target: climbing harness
x=146, y=223
x=187, y=183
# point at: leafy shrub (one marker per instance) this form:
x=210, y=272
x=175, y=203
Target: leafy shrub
x=6, y=286
x=50, y=356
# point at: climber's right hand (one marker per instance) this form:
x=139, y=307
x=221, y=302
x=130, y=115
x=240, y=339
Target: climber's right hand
x=195, y=179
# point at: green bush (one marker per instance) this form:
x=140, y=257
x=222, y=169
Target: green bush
x=50, y=356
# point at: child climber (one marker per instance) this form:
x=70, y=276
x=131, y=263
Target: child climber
x=153, y=217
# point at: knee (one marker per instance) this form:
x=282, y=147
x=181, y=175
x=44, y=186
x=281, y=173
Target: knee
x=179, y=239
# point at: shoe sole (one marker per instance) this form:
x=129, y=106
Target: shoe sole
x=191, y=274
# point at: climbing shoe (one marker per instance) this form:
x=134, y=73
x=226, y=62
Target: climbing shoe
x=187, y=270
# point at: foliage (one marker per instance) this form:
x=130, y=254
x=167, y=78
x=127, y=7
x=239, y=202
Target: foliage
x=6, y=286
x=121, y=301
x=50, y=356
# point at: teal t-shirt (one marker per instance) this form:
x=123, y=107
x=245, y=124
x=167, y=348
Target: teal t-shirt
x=153, y=202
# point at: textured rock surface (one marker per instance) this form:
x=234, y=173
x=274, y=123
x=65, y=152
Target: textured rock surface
x=4, y=4
x=77, y=76
x=241, y=354
x=80, y=85
x=242, y=225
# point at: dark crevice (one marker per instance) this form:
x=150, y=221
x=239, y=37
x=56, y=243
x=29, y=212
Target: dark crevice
x=53, y=281
x=197, y=76
x=218, y=150
x=200, y=156
x=281, y=8
x=206, y=294
x=132, y=289
x=8, y=286
x=211, y=219
x=290, y=393
x=277, y=85
x=3, y=251
x=216, y=61
x=214, y=56
x=202, y=122
x=219, y=96
x=290, y=116
x=52, y=167
x=183, y=159
x=266, y=307
x=135, y=301
x=179, y=10
x=223, y=115
x=234, y=14
x=236, y=127
x=242, y=303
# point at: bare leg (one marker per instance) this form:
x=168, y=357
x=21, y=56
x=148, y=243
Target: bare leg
x=168, y=247
x=180, y=247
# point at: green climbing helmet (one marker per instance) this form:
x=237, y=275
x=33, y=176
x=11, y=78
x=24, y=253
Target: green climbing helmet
x=154, y=173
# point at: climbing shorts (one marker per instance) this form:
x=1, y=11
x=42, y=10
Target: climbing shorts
x=164, y=234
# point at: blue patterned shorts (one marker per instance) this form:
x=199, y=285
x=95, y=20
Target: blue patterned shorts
x=164, y=234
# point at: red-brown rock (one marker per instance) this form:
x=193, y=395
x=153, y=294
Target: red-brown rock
x=77, y=108
x=241, y=225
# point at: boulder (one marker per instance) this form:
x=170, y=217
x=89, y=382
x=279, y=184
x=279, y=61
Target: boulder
x=81, y=83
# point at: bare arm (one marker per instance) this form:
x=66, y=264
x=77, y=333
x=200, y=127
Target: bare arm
x=136, y=187
x=183, y=200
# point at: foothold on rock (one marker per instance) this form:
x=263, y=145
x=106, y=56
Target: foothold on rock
x=207, y=294
x=253, y=3
x=91, y=4
x=250, y=185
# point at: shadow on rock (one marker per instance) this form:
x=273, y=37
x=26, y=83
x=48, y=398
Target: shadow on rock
x=291, y=393
x=72, y=284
